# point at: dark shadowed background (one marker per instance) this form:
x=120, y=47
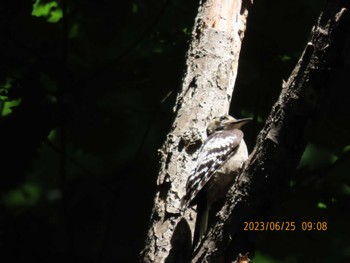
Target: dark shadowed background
x=86, y=95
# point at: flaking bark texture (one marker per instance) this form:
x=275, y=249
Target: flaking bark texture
x=282, y=141
x=209, y=78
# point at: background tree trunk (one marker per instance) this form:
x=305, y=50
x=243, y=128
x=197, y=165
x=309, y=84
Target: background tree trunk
x=211, y=70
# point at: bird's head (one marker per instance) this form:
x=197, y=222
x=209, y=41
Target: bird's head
x=225, y=122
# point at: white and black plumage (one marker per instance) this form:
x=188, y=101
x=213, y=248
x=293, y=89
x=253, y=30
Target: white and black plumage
x=219, y=161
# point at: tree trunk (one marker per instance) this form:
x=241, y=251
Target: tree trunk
x=211, y=70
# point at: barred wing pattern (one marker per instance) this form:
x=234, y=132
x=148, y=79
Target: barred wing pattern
x=216, y=150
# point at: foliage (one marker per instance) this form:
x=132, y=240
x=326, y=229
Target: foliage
x=49, y=10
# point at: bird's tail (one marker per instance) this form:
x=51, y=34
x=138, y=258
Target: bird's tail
x=201, y=221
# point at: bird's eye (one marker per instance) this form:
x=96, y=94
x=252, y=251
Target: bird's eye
x=222, y=118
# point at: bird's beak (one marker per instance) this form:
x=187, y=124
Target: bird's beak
x=240, y=122
x=244, y=121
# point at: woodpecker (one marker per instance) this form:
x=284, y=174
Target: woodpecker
x=219, y=161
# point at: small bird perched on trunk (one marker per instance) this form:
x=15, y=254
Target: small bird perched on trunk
x=219, y=162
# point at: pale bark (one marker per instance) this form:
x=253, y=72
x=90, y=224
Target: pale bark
x=207, y=87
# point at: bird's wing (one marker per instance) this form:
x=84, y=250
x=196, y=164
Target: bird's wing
x=216, y=150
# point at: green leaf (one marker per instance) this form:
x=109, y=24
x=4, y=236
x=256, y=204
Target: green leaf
x=186, y=31
x=262, y=258
x=56, y=16
x=321, y=205
x=345, y=189
x=52, y=135
x=315, y=157
x=7, y=106
x=4, y=89
x=284, y=58
x=26, y=195
x=346, y=149
x=49, y=10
